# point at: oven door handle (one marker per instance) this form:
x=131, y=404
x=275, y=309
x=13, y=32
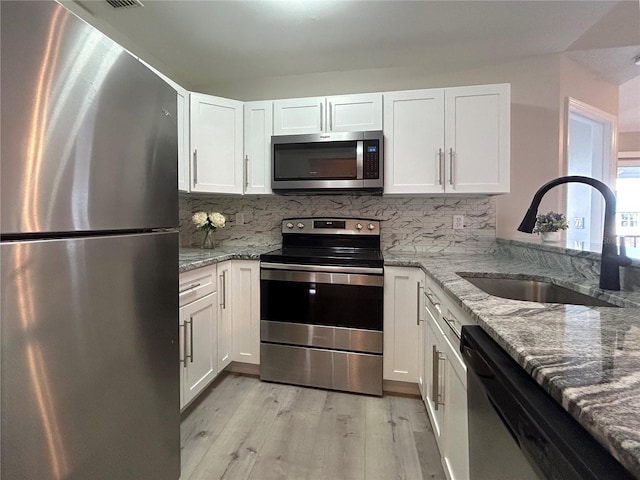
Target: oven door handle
x=334, y=278
x=322, y=268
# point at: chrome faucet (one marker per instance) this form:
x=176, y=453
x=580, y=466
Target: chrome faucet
x=610, y=260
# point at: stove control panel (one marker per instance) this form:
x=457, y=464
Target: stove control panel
x=331, y=226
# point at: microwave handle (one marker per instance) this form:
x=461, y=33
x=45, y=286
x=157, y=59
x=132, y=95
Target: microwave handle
x=360, y=159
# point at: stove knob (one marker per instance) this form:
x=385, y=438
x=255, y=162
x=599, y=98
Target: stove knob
x=371, y=226
x=289, y=225
x=300, y=225
x=358, y=226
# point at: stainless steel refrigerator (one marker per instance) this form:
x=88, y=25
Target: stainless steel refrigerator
x=89, y=384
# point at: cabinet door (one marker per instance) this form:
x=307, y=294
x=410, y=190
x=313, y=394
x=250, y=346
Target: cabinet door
x=434, y=380
x=298, y=116
x=477, y=139
x=414, y=141
x=258, y=128
x=422, y=337
x=216, y=144
x=354, y=113
x=456, y=446
x=183, y=140
x=225, y=315
x=199, y=347
x=246, y=311
x=401, y=324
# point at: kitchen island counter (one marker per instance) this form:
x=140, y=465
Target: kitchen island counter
x=586, y=358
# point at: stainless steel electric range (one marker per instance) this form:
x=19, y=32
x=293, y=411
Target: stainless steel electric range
x=321, y=305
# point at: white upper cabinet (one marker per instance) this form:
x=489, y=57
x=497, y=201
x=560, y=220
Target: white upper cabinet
x=258, y=128
x=183, y=140
x=414, y=141
x=216, y=144
x=453, y=140
x=477, y=138
x=343, y=113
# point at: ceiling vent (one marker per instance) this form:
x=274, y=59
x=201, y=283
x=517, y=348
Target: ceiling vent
x=125, y=3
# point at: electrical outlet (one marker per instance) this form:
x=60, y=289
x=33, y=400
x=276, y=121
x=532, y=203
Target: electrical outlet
x=458, y=222
x=578, y=222
x=239, y=218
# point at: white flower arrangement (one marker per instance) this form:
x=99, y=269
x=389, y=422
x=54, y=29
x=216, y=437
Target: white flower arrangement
x=209, y=221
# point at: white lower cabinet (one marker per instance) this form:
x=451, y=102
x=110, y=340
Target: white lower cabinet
x=198, y=347
x=246, y=311
x=225, y=315
x=445, y=394
x=402, y=287
x=197, y=323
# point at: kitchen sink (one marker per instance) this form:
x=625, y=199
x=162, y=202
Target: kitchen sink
x=532, y=290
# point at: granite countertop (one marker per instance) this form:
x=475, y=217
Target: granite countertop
x=586, y=358
x=192, y=258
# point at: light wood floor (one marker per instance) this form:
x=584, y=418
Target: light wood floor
x=248, y=429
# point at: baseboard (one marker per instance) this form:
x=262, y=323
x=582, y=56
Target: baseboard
x=240, y=368
x=405, y=389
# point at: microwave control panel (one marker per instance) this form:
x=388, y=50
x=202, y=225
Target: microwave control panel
x=371, y=167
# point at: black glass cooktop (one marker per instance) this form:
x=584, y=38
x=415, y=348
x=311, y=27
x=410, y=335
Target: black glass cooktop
x=347, y=257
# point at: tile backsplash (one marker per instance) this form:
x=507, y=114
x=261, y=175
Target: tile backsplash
x=409, y=224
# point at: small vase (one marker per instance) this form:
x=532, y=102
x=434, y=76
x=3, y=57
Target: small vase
x=208, y=241
x=550, y=237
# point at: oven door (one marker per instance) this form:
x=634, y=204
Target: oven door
x=323, y=306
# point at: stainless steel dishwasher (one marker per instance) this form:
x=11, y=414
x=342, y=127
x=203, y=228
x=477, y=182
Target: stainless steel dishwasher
x=516, y=430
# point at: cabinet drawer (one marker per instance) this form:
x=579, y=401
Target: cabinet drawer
x=196, y=284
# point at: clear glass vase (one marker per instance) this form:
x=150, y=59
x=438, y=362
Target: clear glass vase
x=208, y=241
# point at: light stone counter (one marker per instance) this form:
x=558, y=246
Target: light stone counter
x=192, y=258
x=586, y=358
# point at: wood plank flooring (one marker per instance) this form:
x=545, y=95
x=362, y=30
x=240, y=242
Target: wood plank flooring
x=247, y=429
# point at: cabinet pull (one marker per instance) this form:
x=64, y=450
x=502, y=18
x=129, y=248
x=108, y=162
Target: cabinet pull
x=195, y=167
x=418, y=306
x=223, y=300
x=189, y=288
x=246, y=171
x=451, y=166
x=435, y=380
x=440, y=165
x=431, y=300
x=183, y=360
x=330, y=117
x=321, y=119
x=451, y=325
x=190, y=356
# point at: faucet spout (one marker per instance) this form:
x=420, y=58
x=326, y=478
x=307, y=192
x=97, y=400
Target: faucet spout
x=610, y=259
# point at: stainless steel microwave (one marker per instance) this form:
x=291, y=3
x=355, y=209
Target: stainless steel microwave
x=327, y=162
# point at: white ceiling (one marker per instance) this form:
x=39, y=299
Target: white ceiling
x=204, y=43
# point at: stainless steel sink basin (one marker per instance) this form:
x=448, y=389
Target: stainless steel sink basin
x=532, y=291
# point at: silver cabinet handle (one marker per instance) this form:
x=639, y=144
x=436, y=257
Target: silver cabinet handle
x=418, y=306
x=189, y=288
x=190, y=355
x=321, y=119
x=451, y=166
x=195, y=167
x=246, y=171
x=440, y=165
x=435, y=387
x=183, y=360
x=431, y=300
x=223, y=300
x=330, y=117
x=451, y=325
